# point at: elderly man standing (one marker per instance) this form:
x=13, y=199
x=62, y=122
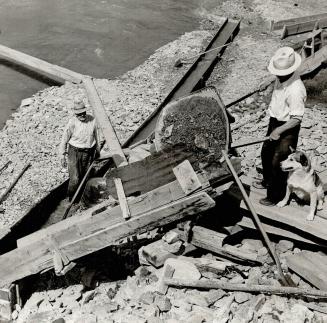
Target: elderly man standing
x=286, y=110
x=80, y=143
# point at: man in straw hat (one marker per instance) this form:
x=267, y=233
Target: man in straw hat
x=286, y=110
x=80, y=143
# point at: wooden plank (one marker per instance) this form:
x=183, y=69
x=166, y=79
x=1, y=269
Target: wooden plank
x=293, y=216
x=186, y=177
x=122, y=198
x=104, y=122
x=276, y=25
x=311, y=266
x=38, y=256
x=198, y=72
x=53, y=72
x=270, y=228
x=303, y=27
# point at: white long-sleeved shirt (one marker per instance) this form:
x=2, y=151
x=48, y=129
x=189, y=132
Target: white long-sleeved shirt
x=79, y=134
x=288, y=99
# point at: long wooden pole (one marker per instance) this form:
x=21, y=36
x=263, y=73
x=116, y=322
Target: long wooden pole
x=255, y=216
x=12, y=185
x=51, y=71
x=284, y=290
x=104, y=123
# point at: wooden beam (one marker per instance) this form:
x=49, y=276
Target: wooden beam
x=213, y=241
x=276, y=25
x=80, y=241
x=122, y=199
x=104, y=122
x=313, y=62
x=53, y=72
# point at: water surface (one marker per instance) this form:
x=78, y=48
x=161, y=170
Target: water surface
x=101, y=38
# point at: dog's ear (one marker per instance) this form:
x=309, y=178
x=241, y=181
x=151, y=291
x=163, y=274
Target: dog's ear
x=305, y=161
x=291, y=149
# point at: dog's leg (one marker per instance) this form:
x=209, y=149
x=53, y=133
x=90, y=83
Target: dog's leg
x=313, y=205
x=284, y=201
x=321, y=201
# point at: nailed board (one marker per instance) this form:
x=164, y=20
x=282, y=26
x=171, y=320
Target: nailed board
x=82, y=239
x=311, y=266
x=303, y=27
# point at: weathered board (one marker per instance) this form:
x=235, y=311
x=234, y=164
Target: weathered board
x=311, y=266
x=85, y=238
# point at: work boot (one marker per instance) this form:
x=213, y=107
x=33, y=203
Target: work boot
x=267, y=202
x=261, y=185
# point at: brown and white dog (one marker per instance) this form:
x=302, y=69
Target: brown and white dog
x=303, y=181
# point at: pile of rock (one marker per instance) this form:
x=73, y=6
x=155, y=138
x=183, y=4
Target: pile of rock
x=138, y=299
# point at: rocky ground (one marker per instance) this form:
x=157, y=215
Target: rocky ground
x=33, y=135
x=137, y=298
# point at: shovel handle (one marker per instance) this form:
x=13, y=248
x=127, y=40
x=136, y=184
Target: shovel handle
x=255, y=216
x=243, y=143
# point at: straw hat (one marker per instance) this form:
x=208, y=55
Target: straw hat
x=79, y=105
x=284, y=62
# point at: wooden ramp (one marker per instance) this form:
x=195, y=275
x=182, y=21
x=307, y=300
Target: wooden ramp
x=289, y=221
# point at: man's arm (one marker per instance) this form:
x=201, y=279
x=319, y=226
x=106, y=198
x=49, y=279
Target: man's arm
x=64, y=141
x=291, y=123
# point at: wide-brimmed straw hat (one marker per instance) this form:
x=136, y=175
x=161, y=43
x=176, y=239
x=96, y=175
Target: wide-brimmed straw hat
x=284, y=62
x=79, y=106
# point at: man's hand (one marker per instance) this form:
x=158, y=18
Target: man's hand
x=63, y=161
x=275, y=135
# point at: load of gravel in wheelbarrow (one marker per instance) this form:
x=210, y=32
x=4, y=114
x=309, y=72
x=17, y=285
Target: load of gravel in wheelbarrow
x=198, y=123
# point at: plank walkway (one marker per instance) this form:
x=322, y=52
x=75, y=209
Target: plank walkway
x=291, y=217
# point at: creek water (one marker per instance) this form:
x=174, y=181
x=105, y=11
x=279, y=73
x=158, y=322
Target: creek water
x=101, y=38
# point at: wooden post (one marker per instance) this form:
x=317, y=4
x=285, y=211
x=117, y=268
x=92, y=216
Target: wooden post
x=104, y=123
x=54, y=72
x=122, y=198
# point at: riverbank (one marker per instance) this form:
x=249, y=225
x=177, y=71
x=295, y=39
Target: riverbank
x=34, y=133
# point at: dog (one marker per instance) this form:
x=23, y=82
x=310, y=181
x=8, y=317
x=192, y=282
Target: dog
x=302, y=181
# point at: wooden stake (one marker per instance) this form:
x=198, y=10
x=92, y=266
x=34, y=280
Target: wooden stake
x=122, y=198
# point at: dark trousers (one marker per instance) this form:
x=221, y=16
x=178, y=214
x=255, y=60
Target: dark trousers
x=272, y=153
x=79, y=160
